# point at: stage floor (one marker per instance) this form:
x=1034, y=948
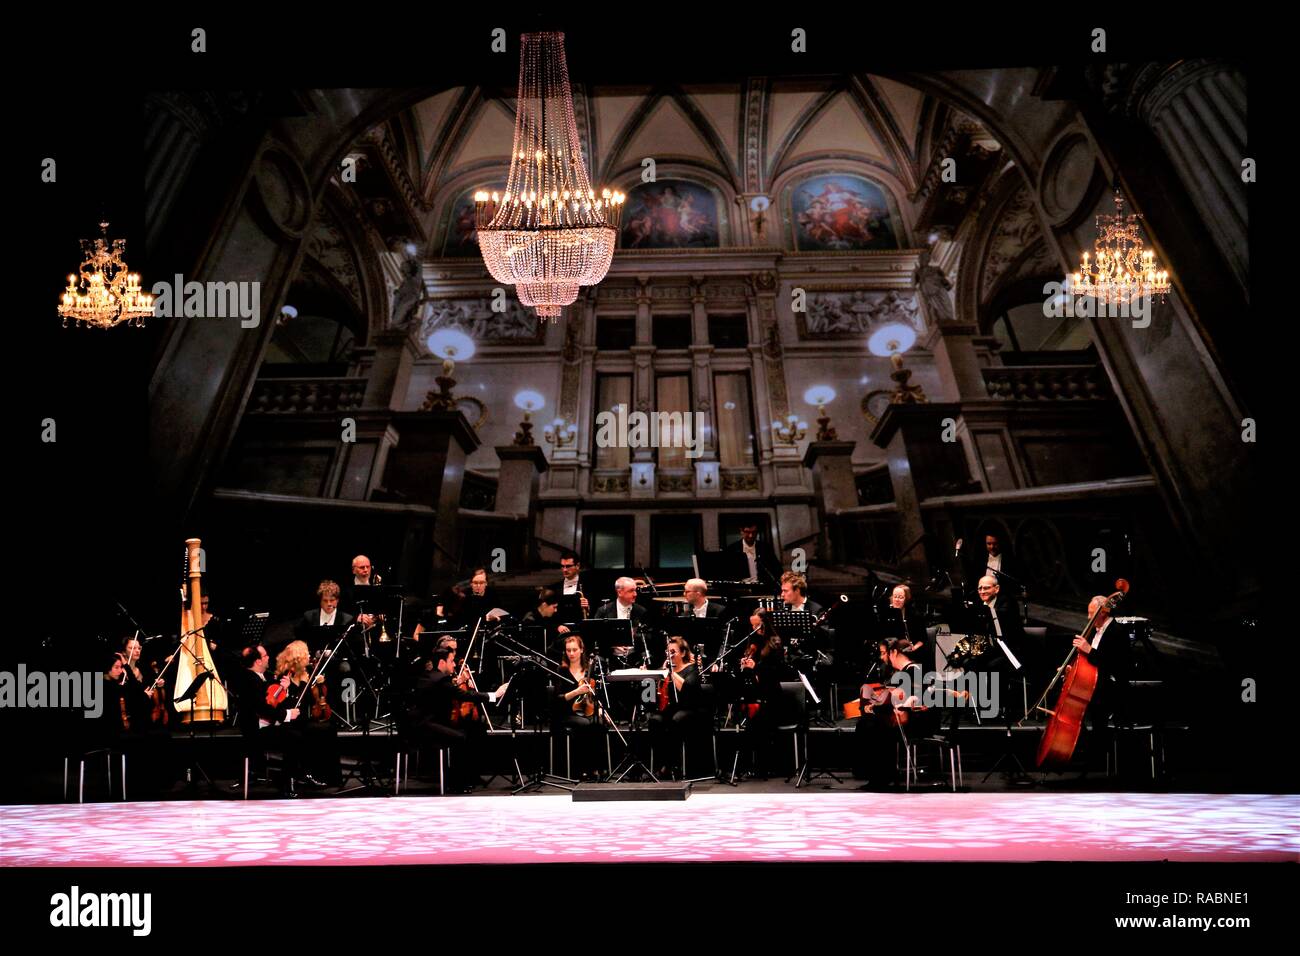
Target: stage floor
x=717, y=827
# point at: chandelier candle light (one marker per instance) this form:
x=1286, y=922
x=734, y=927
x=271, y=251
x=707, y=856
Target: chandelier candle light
x=549, y=232
x=105, y=294
x=1124, y=270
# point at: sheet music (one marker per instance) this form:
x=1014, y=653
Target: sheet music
x=1007, y=651
x=809, y=688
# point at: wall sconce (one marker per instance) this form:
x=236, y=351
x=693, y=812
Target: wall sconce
x=821, y=395
x=448, y=344
x=560, y=433
x=893, y=339
x=530, y=402
x=791, y=431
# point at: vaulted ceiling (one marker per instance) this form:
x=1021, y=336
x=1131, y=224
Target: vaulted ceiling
x=745, y=136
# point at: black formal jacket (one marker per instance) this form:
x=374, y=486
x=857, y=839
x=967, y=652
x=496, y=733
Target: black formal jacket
x=769, y=569
x=250, y=689
x=1013, y=629
x=308, y=628
x=435, y=696
x=608, y=611
x=713, y=609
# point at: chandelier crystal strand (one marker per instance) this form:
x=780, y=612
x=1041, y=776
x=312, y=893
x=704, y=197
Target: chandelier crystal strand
x=1124, y=270
x=549, y=232
x=105, y=293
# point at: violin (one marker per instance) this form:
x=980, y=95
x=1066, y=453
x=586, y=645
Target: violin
x=666, y=689
x=278, y=693
x=750, y=707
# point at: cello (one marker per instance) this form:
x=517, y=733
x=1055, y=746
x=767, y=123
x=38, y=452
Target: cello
x=1080, y=681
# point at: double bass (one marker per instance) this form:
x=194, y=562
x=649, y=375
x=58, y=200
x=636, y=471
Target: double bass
x=194, y=657
x=1080, y=681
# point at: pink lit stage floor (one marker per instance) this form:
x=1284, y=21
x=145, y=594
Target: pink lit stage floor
x=708, y=827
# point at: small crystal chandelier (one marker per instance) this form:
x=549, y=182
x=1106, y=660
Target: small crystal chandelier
x=105, y=294
x=1124, y=271
x=548, y=233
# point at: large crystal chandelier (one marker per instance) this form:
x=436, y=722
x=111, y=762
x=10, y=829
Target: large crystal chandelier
x=549, y=232
x=1124, y=270
x=105, y=293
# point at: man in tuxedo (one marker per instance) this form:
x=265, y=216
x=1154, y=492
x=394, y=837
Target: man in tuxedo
x=1009, y=656
x=429, y=716
x=697, y=602
x=794, y=592
x=763, y=566
x=574, y=605
x=1001, y=565
x=310, y=627
x=363, y=577
x=1109, y=653
x=267, y=726
x=623, y=608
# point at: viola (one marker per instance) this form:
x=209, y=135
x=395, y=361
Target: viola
x=585, y=704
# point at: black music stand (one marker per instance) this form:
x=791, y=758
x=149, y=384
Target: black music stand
x=705, y=632
x=722, y=565
x=253, y=628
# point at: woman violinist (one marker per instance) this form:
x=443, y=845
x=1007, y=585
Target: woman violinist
x=762, y=669
x=682, y=703
x=308, y=693
x=891, y=712
x=576, y=706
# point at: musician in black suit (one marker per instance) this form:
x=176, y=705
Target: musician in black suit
x=429, y=717
x=574, y=605
x=1108, y=650
x=763, y=566
x=999, y=617
x=268, y=726
x=897, y=719
x=624, y=606
x=903, y=618
x=545, y=615
x=309, y=627
x=997, y=562
x=697, y=603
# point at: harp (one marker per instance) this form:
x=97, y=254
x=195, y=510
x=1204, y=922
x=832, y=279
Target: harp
x=195, y=657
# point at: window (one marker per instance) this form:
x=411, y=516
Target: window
x=674, y=540
x=672, y=331
x=673, y=395
x=728, y=331
x=611, y=392
x=608, y=542
x=616, y=334
x=735, y=423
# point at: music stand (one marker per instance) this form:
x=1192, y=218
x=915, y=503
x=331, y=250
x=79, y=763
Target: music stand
x=703, y=632
x=253, y=628
x=721, y=565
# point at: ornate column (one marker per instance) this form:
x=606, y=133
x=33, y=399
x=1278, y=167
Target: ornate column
x=1197, y=111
